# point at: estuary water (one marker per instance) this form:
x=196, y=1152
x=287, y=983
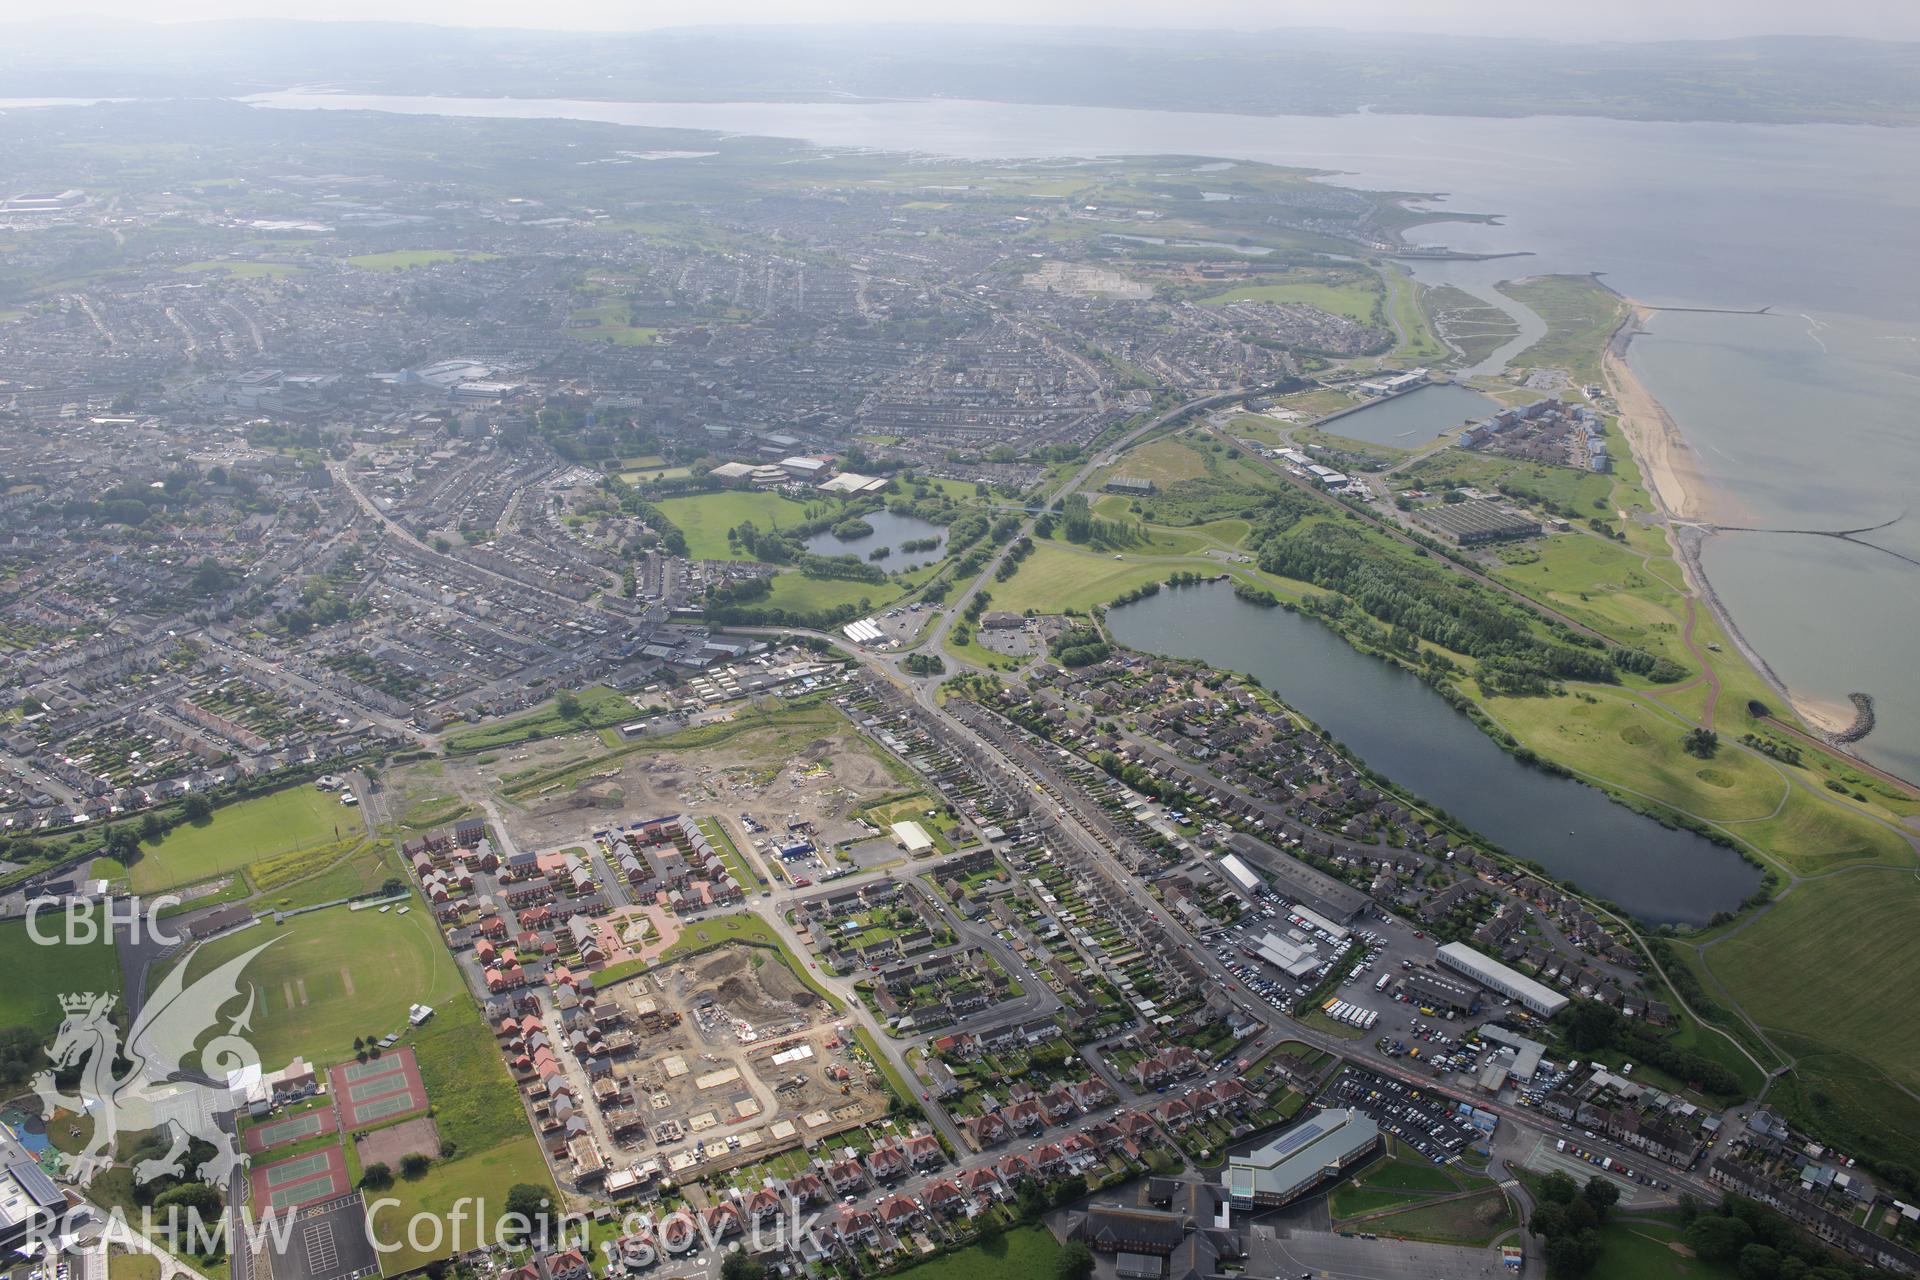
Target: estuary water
x=1804, y=418
x=1402, y=728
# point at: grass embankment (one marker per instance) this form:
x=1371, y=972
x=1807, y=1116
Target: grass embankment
x=599, y=708
x=247, y=831
x=1396, y=1178
x=737, y=862
x=1417, y=341
x=1813, y=970
x=1476, y=1219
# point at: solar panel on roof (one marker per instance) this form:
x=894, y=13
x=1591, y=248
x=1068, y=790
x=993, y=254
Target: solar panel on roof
x=35, y=1182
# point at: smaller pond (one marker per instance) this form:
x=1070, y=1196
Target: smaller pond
x=891, y=531
x=1414, y=418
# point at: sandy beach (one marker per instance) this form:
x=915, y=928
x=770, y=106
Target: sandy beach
x=1679, y=485
x=1824, y=715
x=1669, y=464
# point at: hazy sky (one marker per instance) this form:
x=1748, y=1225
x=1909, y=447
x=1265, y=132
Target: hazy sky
x=1568, y=19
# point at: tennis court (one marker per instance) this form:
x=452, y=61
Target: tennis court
x=376, y=1087
x=394, y=1104
x=378, y=1090
x=280, y=1133
x=354, y=1071
x=302, y=1180
x=298, y=1169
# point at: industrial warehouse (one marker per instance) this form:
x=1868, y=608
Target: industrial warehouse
x=1477, y=521
x=1491, y=973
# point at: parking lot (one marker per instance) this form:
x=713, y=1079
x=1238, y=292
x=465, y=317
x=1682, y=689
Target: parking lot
x=1236, y=945
x=1422, y=1120
x=1327, y=1256
x=1373, y=949
x=1637, y=1181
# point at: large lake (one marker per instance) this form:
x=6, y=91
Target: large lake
x=1402, y=728
x=1805, y=418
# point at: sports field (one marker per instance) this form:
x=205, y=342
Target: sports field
x=37, y=974
x=705, y=518
x=336, y=974
x=263, y=827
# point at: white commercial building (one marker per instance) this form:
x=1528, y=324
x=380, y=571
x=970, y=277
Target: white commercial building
x=1240, y=873
x=912, y=837
x=1490, y=973
x=850, y=482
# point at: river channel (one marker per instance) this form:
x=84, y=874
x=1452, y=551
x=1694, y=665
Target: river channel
x=1405, y=730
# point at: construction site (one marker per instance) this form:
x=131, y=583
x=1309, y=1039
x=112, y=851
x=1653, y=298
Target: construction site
x=737, y=1061
x=804, y=761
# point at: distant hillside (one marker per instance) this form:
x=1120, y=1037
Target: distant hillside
x=1774, y=79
